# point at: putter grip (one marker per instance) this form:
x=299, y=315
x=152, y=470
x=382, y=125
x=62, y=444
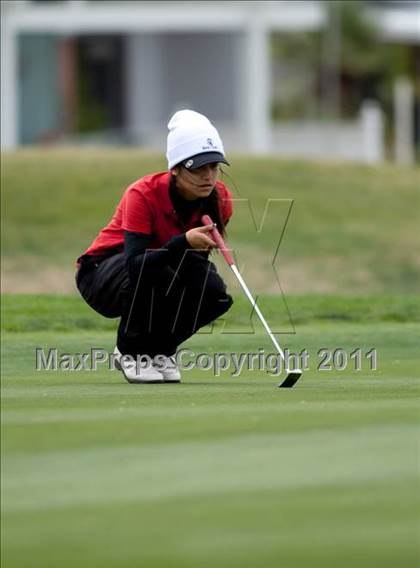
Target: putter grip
x=217, y=237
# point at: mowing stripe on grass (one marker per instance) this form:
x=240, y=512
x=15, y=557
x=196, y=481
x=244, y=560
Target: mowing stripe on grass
x=239, y=463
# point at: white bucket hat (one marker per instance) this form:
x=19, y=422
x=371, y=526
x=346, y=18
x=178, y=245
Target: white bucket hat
x=193, y=141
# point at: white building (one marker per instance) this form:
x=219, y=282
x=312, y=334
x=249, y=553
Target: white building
x=144, y=60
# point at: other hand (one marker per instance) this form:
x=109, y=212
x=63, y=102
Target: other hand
x=199, y=237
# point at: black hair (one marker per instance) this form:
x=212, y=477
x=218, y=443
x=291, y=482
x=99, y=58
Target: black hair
x=211, y=207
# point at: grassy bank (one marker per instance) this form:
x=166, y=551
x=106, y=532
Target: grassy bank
x=352, y=229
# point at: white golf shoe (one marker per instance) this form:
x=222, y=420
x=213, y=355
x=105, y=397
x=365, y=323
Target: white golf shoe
x=137, y=372
x=168, y=368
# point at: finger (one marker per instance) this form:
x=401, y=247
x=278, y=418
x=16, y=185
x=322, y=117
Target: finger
x=209, y=242
x=206, y=228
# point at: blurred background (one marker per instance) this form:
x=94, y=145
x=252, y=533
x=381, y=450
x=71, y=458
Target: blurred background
x=293, y=78
x=317, y=104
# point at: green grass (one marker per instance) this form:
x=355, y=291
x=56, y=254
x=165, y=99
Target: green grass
x=29, y=312
x=217, y=471
x=353, y=228
x=220, y=470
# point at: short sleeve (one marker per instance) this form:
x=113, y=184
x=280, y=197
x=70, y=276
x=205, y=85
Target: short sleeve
x=226, y=203
x=136, y=212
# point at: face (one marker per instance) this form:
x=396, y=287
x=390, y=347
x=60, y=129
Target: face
x=196, y=183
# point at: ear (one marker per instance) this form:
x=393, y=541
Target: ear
x=174, y=172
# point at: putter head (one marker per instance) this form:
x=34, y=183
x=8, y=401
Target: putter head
x=291, y=379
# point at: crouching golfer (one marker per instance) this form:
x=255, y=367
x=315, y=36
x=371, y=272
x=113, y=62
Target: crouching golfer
x=150, y=264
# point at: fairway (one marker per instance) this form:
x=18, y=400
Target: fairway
x=220, y=471
x=217, y=471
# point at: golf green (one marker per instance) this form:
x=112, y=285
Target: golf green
x=219, y=470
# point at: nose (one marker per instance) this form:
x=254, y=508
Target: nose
x=207, y=171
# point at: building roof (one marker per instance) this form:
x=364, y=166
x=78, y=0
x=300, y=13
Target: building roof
x=135, y=16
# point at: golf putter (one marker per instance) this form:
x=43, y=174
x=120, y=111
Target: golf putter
x=292, y=375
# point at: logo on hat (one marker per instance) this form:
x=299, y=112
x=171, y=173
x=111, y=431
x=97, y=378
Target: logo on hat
x=210, y=145
x=189, y=163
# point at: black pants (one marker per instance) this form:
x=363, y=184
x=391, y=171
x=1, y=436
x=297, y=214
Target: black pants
x=163, y=308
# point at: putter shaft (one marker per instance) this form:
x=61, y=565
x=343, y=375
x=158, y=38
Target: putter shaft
x=292, y=375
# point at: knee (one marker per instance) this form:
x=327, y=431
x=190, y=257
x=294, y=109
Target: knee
x=218, y=303
x=225, y=303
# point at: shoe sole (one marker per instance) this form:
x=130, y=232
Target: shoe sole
x=168, y=379
x=137, y=382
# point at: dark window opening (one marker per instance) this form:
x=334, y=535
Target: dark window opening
x=99, y=92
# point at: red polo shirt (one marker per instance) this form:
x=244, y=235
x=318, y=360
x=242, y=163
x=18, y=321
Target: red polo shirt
x=146, y=207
